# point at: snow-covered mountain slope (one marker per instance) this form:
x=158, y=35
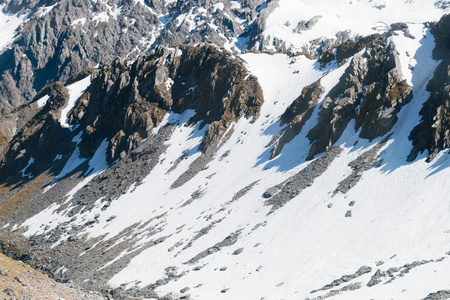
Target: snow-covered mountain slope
x=302, y=26
x=193, y=173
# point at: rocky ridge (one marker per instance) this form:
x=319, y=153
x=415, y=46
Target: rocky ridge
x=433, y=133
x=123, y=104
x=371, y=91
x=63, y=38
x=125, y=101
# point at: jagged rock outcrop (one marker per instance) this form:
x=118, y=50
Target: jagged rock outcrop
x=254, y=31
x=63, y=38
x=372, y=91
x=306, y=25
x=297, y=114
x=125, y=101
x=72, y=36
x=346, y=49
x=433, y=133
x=160, y=186
x=36, y=143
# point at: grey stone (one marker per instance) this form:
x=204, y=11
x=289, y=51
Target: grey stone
x=386, y=92
x=238, y=251
x=306, y=25
x=361, y=271
x=440, y=295
x=269, y=193
x=295, y=184
x=432, y=132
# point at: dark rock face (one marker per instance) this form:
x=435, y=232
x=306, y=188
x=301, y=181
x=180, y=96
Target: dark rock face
x=440, y=295
x=75, y=35
x=284, y=192
x=371, y=91
x=297, y=114
x=433, y=133
x=40, y=139
x=442, y=37
x=60, y=43
x=124, y=102
x=345, y=50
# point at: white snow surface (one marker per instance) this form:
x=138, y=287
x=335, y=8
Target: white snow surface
x=97, y=165
x=359, y=17
x=80, y=22
x=8, y=27
x=401, y=212
x=45, y=10
x=76, y=90
x=41, y=102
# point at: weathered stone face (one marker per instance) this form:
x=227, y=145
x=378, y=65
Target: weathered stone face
x=297, y=114
x=125, y=101
x=72, y=37
x=41, y=136
x=372, y=91
x=433, y=133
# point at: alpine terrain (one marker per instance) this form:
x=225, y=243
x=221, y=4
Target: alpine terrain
x=235, y=149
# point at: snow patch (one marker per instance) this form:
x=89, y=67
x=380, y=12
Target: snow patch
x=41, y=102
x=8, y=26
x=30, y=162
x=76, y=90
x=45, y=10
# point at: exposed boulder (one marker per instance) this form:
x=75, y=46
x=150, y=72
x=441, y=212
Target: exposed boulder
x=306, y=25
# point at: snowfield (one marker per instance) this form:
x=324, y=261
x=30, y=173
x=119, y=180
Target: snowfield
x=355, y=17
x=8, y=26
x=215, y=237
